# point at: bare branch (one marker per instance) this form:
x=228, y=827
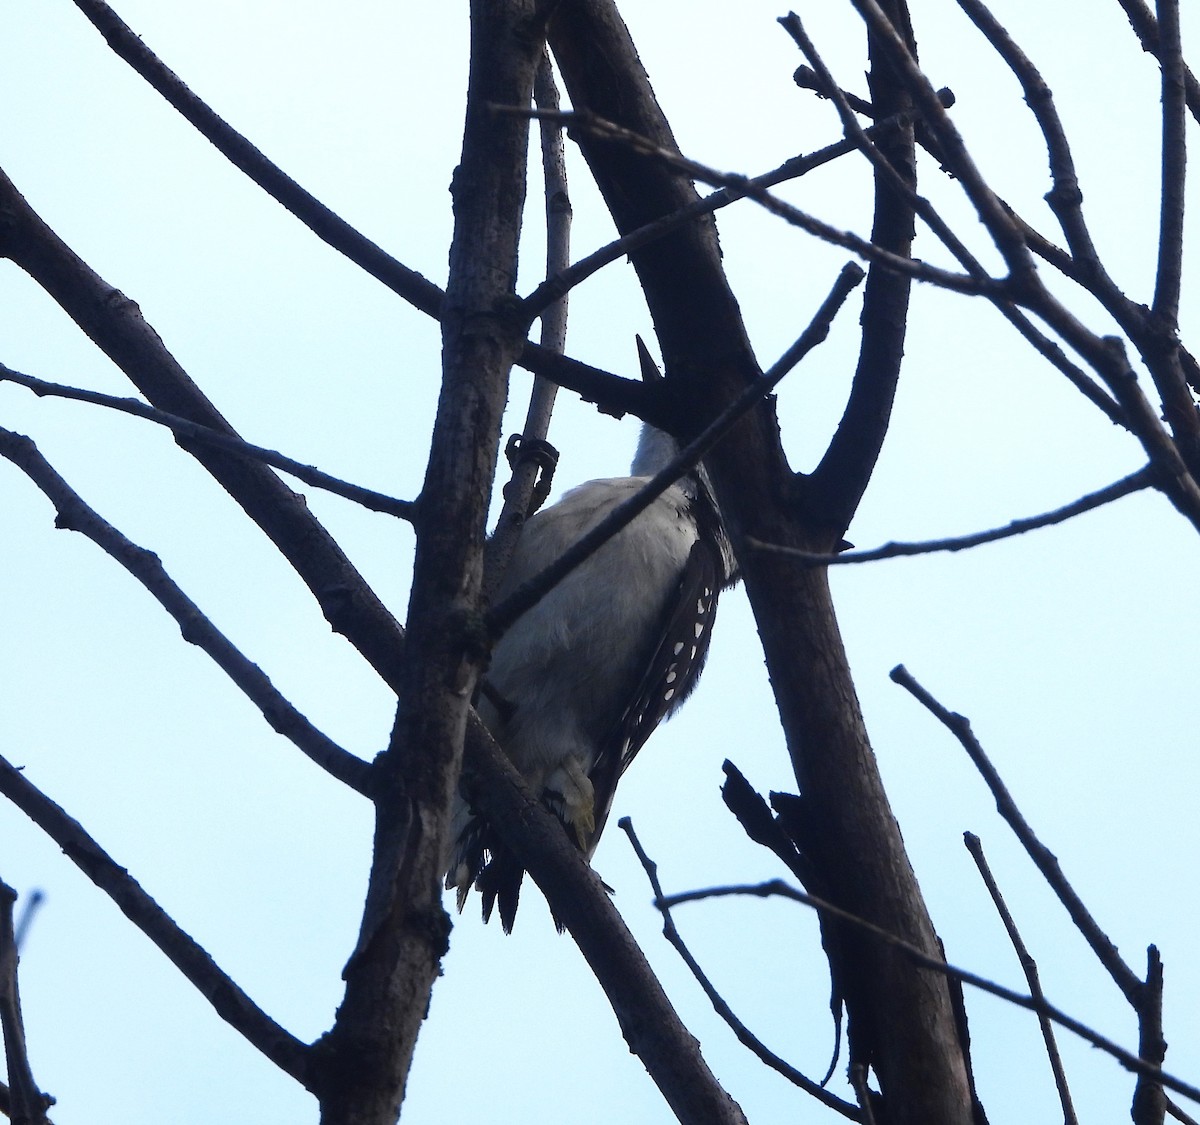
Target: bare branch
x=146, y=567
x=368, y=498
x=524, y=597
x=744, y=1035
x=745, y=186
x=613, y=394
x=886, y=168
x=578, y=899
x=1029, y=968
x=1135, y=482
x=1145, y=27
x=228, y=1000
x=326, y=225
x=1174, y=167
x=531, y=473
x=778, y=888
x=1047, y=863
x=27, y=1104
x=117, y=327
x=558, y=284
x=1149, y=1098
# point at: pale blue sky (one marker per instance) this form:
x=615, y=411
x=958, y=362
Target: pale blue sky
x=1072, y=650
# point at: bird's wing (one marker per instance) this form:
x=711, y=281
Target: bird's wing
x=672, y=669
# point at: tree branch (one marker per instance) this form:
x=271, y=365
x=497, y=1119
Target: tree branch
x=228, y=1000
x=146, y=567
x=579, y=901
x=744, y=1035
x=116, y=326
x=1135, y=482
x=502, y=616
x=366, y=497
x=778, y=888
x=27, y=1104
x=1045, y=860
x=1030, y=969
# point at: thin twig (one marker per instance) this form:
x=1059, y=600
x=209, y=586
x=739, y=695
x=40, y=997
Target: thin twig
x=368, y=498
x=33, y=903
x=1135, y=482
x=1047, y=863
x=1169, y=274
x=1176, y=1112
x=531, y=474
x=745, y=186
x=612, y=393
x=776, y=887
x=744, y=1035
x=1030, y=969
x=1007, y=308
x=791, y=169
x=530, y=593
x=74, y=514
x=1065, y=197
x=324, y=223
x=230, y=1002
x=27, y=1104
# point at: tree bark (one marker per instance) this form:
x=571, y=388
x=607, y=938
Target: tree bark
x=405, y=929
x=903, y=1020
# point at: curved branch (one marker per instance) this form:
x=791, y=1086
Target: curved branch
x=228, y=1000
x=744, y=1035
x=145, y=566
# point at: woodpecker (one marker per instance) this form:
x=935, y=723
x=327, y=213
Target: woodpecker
x=578, y=684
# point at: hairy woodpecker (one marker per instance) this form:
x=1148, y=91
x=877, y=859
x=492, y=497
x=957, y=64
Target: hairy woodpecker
x=577, y=685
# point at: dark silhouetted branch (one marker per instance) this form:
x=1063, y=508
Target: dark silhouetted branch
x=778, y=888
x=366, y=497
x=579, y=901
x=27, y=1104
x=1030, y=969
x=525, y=597
x=230, y=1002
x=1045, y=860
x=745, y=186
x=1135, y=482
x=744, y=1035
x=75, y=515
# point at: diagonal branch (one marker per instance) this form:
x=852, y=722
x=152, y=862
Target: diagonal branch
x=744, y=1035
x=567, y=279
x=1047, y=863
x=1030, y=969
x=1135, y=482
x=745, y=186
x=579, y=900
x=613, y=394
x=526, y=596
x=229, y=1001
x=777, y=887
x=145, y=566
x=367, y=497
x=117, y=327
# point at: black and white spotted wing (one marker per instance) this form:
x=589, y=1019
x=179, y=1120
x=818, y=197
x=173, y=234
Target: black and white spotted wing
x=671, y=670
